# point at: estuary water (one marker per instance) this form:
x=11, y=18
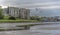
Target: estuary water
x=47, y=29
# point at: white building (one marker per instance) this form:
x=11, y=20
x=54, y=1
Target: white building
x=24, y=13
x=17, y=12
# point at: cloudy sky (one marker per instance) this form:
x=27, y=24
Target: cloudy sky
x=47, y=7
x=31, y=3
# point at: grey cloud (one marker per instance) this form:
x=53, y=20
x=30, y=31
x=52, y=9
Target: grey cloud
x=26, y=3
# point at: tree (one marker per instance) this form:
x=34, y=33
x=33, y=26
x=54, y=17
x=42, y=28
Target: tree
x=1, y=16
x=35, y=18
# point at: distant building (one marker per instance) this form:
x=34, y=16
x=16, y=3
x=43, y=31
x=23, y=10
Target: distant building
x=24, y=13
x=17, y=12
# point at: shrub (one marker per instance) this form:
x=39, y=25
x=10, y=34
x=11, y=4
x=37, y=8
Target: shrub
x=12, y=18
x=1, y=17
x=38, y=19
x=32, y=18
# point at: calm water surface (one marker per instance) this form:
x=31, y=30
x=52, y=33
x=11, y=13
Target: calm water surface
x=52, y=29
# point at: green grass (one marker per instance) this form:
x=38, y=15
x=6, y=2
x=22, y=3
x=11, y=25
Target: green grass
x=16, y=21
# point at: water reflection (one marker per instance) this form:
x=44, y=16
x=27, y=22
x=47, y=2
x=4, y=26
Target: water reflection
x=47, y=29
x=52, y=29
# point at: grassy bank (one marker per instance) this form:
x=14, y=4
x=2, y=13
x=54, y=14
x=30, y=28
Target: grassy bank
x=16, y=21
x=6, y=20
